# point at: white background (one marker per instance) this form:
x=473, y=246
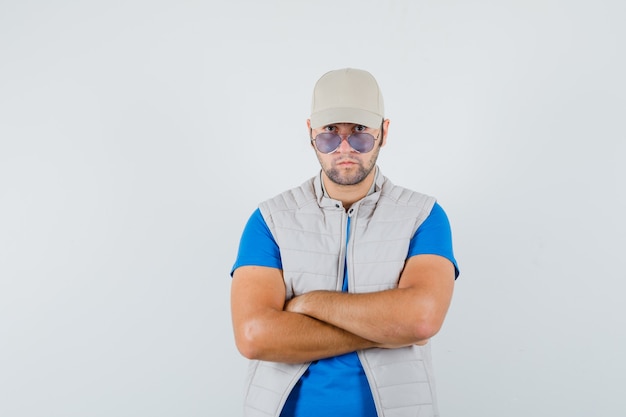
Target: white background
x=136, y=137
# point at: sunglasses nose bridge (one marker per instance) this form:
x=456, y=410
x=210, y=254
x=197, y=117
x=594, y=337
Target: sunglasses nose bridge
x=344, y=145
x=344, y=135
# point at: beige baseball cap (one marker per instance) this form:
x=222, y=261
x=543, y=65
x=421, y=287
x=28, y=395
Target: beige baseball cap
x=347, y=96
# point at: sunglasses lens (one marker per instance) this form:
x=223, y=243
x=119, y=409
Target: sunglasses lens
x=329, y=142
x=361, y=142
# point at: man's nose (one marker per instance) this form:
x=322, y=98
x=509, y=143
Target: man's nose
x=344, y=146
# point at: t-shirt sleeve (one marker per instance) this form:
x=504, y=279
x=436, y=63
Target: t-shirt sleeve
x=257, y=245
x=434, y=237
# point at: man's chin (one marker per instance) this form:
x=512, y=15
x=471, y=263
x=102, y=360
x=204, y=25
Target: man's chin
x=345, y=178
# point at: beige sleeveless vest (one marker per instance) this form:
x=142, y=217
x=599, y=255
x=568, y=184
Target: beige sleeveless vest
x=310, y=230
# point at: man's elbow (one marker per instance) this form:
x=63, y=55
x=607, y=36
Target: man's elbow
x=249, y=339
x=424, y=330
x=427, y=319
x=427, y=325
x=417, y=331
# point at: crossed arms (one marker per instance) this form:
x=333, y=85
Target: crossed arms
x=320, y=324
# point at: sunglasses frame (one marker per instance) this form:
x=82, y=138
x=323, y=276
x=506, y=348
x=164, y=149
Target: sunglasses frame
x=374, y=139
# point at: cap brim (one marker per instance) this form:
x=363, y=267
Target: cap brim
x=346, y=115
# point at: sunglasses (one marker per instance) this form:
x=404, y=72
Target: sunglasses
x=329, y=142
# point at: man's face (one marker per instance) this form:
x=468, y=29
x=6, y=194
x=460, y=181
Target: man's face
x=345, y=166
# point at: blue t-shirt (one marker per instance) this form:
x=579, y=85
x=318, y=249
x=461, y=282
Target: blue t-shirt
x=337, y=386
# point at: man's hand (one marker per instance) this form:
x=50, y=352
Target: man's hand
x=298, y=304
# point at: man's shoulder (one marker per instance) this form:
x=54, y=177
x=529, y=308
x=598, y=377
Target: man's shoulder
x=400, y=195
x=292, y=198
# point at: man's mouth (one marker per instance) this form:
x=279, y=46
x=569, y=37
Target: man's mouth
x=346, y=162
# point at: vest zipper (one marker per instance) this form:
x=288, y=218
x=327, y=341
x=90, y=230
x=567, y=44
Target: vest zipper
x=342, y=255
x=350, y=225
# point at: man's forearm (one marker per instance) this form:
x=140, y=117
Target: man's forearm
x=281, y=336
x=392, y=317
x=409, y=314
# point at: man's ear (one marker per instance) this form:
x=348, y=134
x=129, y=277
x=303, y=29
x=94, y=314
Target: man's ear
x=308, y=126
x=385, y=128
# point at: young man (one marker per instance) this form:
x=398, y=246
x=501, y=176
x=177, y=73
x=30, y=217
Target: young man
x=340, y=283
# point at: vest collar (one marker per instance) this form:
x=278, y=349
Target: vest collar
x=324, y=199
